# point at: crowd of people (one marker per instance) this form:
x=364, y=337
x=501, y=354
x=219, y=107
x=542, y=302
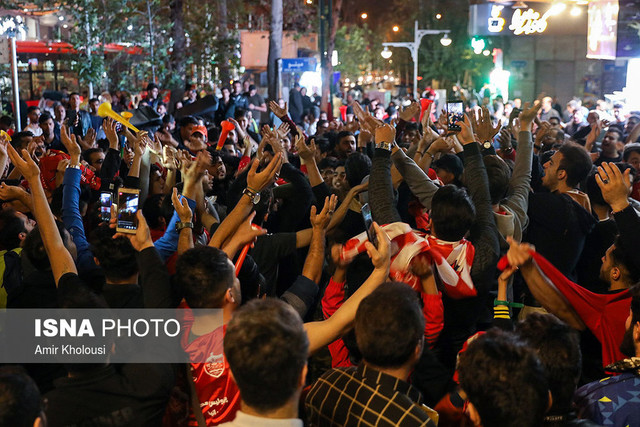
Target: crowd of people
x=496, y=285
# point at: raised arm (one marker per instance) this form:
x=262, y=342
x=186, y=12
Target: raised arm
x=324, y=332
x=419, y=182
x=60, y=258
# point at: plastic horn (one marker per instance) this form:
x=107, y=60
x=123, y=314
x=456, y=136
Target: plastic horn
x=245, y=250
x=105, y=110
x=343, y=113
x=227, y=127
x=424, y=104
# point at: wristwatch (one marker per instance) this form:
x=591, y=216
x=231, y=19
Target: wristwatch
x=254, y=196
x=384, y=145
x=73, y=166
x=486, y=145
x=180, y=225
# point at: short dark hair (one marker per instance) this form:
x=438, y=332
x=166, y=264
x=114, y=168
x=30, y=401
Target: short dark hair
x=558, y=348
x=267, y=348
x=16, y=139
x=188, y=120
x=32, y=109
x=6, y=120
x=328, y=162
x=152, y=210
x=117, y=256
x=575, y=162
x=632, y=147
x=44, y=117
x=152, y=86
x=204, y=275
x=617, y=131
x=33, y=247
x=20, y=401
x=240, y=113
x=504, y=380
x=343, y=134
x=389, y=324
x=499, y=176
x=10, y=228
x=452, y=213
x=357, y=167
x=86, y=155
x=623, y=257
x=92, y=100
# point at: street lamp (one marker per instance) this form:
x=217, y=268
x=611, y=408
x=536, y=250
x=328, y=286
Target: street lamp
x=364, y=15
x=413, y=48
x=386, y=53
x=395, y=28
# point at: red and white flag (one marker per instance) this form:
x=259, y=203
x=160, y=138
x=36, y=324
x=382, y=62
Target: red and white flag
x=452, y=260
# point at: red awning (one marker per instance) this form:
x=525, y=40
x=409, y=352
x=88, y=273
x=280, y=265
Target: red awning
x=32, y=46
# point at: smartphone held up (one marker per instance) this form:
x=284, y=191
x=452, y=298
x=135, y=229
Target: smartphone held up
x=128, y=199
x=455, y=114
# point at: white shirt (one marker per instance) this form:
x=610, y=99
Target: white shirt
x=246, y=420
x=34, y=129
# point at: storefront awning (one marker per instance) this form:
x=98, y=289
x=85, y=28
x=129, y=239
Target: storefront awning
x=32, y=46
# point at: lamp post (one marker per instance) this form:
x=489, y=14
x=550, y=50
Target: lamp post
x=413, y=47
x=10, y=27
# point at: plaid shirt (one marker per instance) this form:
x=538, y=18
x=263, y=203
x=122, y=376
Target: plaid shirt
x=363, y=396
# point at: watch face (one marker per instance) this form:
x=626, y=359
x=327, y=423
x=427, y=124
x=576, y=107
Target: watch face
x=256, y=199
x=487, y=144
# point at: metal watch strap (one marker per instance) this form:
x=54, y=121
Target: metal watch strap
x=181, y=225
x=384, y=145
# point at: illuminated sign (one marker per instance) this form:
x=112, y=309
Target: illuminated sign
x=602, y=30
x=527, y=22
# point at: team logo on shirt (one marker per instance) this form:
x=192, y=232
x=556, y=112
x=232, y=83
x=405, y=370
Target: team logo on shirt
x=214, y=365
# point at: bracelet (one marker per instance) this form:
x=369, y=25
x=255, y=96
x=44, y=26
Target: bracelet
x=385, y=145
x=182, y=225
x=73, y=167
x=433, y=156
x=497, y=302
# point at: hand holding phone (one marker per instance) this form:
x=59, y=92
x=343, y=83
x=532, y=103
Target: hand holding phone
x=455, y=114
x=106, y=199
x=368, y=223
x=128, y=199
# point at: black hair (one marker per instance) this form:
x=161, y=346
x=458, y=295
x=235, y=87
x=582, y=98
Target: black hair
x=452, y=213
x=152, y=210
x=16, y=139
x=117, y=257
x=240, y=113
x=33, y=247
x=623, y=257
x=152, y=86
x=204, y=274
x=575, y=162
x=618, y=131
x=328, y=162
x=267, y=348
x=499, y=175
x=357, y=167
x=20, y=401
x=92, y=100
x=188, y=120
x=168, y=118
x=44, y=117
x=6, y=120
x=11, y=225
x=32, y=109
x=504, y=380
x=558, y=347
x=86, y=155
x=389, y=325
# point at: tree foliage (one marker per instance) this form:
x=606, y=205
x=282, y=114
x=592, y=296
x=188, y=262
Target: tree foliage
x=358, y=50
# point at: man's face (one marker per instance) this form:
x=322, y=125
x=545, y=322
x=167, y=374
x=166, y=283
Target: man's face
x=95, y=161
x=185, y=131
x=237, y=88
x=219, y=170
x=550, y=178
x=29, y=224
x=154, y=93
x=409, y=136
x=157, y=183
x=555, y=122
x=578, y=117
x=618, y=113
x=286, y=144
x=340, y=179
x=630, y=124
x=60, y=113
x=74, y=102
x=162, y=110
x=609, y=144
x=93, y=106
x=47, y=128
x=328, y=174
x=634, y=160
x=546, y=104
x=607, y=265
x=230, y=149
x=33, y=116
x=232, y=136
x=225, y=93
x=347, y=144
x=243, y=122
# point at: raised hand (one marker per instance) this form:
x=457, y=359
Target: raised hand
x=305, y=152
x=109, y=127
x=615, y=185
x=518, y=253
x=482, y=125
x=141, y=240
x=385, y=133
x=258, y=181
x=280, y=112
x=89, y=140
x=247, y=233
x=71, y=144
x=11, y=192
x=25, y=163
x=321, y=221
x=466, y=135
x=529, y=115
x=283, y=130
x=181, y=206
x=411, y=111
x=380, y=257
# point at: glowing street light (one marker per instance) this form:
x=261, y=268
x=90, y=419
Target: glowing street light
x=438, y=16
x=395, y=28
x=364, y=15
x=413, y=48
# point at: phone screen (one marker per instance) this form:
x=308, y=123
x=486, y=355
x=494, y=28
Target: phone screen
x=105, y=205
x=127, y=208
x=368, y=223
x=455, y=113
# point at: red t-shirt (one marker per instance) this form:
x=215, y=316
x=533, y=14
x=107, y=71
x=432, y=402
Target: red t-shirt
x=218, y=393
